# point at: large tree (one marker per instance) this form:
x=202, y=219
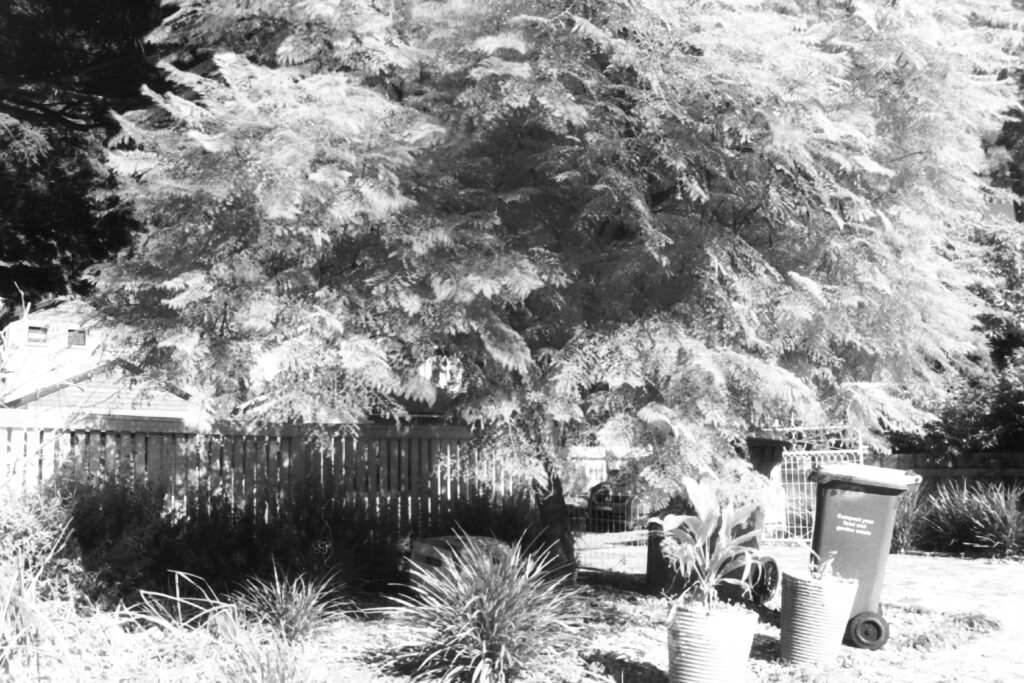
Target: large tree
x=653, y=223
x=64, y=65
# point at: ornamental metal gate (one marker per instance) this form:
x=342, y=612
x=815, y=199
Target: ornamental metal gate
x=790, y=509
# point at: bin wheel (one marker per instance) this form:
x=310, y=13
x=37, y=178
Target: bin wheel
x=765, y=581
x=868, y=630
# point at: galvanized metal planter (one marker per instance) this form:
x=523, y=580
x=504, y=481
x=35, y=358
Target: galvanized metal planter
x=710, y=647
x=814, y=616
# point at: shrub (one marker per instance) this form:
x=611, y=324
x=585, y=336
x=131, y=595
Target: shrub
x=980, y=517
x=906, y=533
x=25, y=624
x=296, y=609
x=997, y=521
x=115, y=523
x=507, y=518
x=34, y=537
x=488, y=617
x=131, y=543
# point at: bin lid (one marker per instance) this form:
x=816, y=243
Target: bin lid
x=864, y=475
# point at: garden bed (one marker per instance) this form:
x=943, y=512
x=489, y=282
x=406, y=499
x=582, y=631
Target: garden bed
x=624, y=637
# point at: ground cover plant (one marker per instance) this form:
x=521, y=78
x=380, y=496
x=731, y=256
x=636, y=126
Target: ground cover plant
x=189, y=632
x=983, y=518
x=297, y=607
x=489, y=614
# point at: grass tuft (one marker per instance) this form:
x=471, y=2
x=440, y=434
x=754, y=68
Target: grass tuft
x=297, y=609
x=488, y=616
x=193, y=619
x=981, y=517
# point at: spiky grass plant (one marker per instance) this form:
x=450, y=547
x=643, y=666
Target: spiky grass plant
x=258, y=656
x=981, y=517
x=194, y=619
x=487, y=616
x=997, y=519
x=297, y=608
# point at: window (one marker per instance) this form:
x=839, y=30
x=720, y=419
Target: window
x=76, y=337
x=37, y=335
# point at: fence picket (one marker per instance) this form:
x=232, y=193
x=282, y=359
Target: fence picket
x=415, y=494
x=329, y=458
x=299, y=469
x=48, y=455
x=215, y=465
x=156, y=463
x=33, y=453
x=183, y=470
x=236, y=445
x=373, y=467
x=263, y=444
x=249, y=457
x=91, y=455
x=111, y=449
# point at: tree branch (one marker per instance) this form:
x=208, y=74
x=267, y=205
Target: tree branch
x=44, y=116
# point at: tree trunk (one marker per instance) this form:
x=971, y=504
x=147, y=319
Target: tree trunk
x=556, y=525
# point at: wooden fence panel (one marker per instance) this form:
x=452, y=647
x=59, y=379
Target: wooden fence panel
x=407, y=478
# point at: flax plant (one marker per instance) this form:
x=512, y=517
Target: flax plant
x=488, y=617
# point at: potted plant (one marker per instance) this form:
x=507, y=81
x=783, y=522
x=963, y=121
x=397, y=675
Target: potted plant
x=708, y=638
x=815, y=610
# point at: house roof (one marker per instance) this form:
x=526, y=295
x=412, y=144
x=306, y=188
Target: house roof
x=33, y=395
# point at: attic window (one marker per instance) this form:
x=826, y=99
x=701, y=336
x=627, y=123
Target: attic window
x=37, y=335
x=76, y=337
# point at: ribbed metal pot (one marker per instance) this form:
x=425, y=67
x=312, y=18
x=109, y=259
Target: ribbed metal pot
x=710, y=647
x=814, y=617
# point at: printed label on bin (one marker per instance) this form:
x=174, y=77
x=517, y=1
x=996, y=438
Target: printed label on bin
x=854, y=525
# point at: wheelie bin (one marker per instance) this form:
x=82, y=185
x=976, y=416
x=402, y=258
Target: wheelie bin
x=854, y=519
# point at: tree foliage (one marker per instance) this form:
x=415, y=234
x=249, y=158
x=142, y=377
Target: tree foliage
x=64, y=66
x=658, y=219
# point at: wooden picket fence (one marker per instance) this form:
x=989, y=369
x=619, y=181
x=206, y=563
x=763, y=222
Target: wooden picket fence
x=398, y=475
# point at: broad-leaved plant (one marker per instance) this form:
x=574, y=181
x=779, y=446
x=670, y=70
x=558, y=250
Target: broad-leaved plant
x=709, y=546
